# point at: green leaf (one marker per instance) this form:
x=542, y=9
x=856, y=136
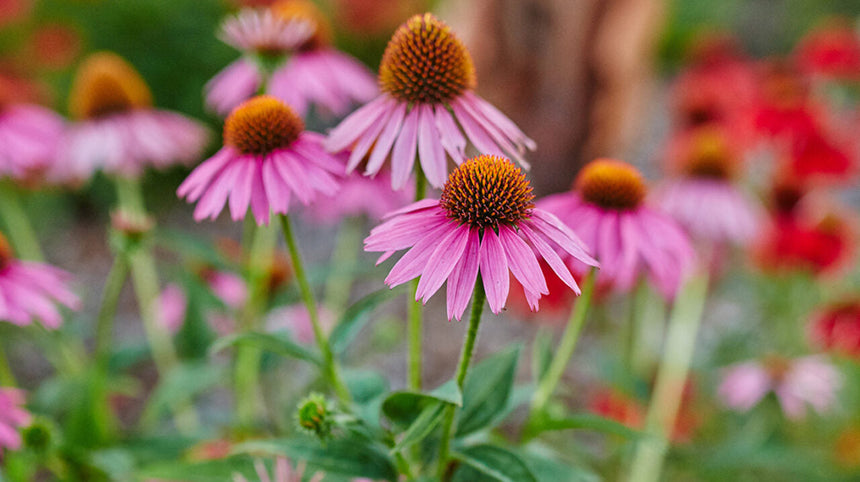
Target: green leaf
x=429, y=418
x=547, y=469
x=278, y=343
x=589, y=421
x=486, y=392
x=496, y=462
x=365, y=385
x=348, y=457
x=356, y=316
x=210, y=471
x=180, y=384
x=541, y=354
x=403, y=407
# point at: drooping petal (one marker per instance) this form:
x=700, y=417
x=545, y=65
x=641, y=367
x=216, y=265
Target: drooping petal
x=403, y=154
x=494, y=271
x=461, y=282
x=448, y=251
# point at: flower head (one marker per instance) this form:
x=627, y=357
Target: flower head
x=807, y=380
x=263, y=32
x=484, y=222
x=427, y=108
x=30, y=290
x=29, y=137
x=12, y=417
x=266, y=158
x=283, y=472
x=118, y=129
x=607, y=210
x=837, y=328
x=831, y=50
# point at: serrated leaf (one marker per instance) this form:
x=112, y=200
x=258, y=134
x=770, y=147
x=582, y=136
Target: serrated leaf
x=356, y=316
x=278, y=343
x=346, y=457
x=487, y=390
x=496, y=462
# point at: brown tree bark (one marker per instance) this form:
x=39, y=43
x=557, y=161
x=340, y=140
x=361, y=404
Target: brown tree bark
x=571, y=73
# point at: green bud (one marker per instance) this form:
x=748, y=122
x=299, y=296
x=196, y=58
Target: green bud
x=314, y=416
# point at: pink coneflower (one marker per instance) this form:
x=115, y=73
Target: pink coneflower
x=606, y=210
x=267, y=155
x=807, y=380
x=12, y=417
x=29, y=136
x=171, y=305
x=701, y=196
x=484, y=222
x=297, y=321
x=229, y=287
x=30, y=290
x=360, y=196
x=427, y=108
x=283, y=472
x=118, y=129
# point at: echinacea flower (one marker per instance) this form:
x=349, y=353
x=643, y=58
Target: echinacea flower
x=837, y=328
x=297, y=321
x=701, y=196
x=229, y=287
x=807, y=380
x=30, y=290
x=171, y=305
x=606, y=209
x=118, y=129
x=831, y=50
x=29, y=136
x=484, y=222
x=267, y=158
x=283, y=472
x=358, y=195
x=12, y=417
x=427, y=108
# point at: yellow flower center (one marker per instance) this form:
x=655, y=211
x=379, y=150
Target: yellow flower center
x=304, y=10
x=426, y=63
x=106, y=84
x=709, y=156
x=261, y=125
x=611, y=184
x=487, y=191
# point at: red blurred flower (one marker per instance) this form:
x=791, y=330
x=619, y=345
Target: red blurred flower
x=837, y=328
x=816, y=157
x=13, y=10
x=618, y=406
x=375, y=17
x=794, y=242
x=55, y=46
x=831, y=50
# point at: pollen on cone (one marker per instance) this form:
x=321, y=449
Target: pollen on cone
x=106, y=84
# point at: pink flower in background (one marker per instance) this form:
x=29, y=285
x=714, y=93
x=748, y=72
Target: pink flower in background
x=30, y=290
x=118, y=130
x=12, y=417
x=360, y=196
x=426, y=74
x=283, y=472
x=266, y=158
x=484, y=222
x=228, y=287
x=807, y=380
x=171, y=305
x=628, y=238
x=297, y=321
x=29, y=136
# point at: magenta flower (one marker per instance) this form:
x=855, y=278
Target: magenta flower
x=313, y=73
x=118, y=129
x=807, y=380
x=229, y=287
x=627, y=237
x=297, y=321
x=29, y=136
x=360, y=196
x=427, y=108
x=30, y=290
x=484, y=222
x=283, y=472
x=171, y=305
x=267, y=156
x=12, y=417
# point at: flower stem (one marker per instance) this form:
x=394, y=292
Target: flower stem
x=7, y=378
x=414, y=309
x=145, y=280
x=462, y=367
x=671, y=378
x=107, y=312
x=548, y=383
x=18, y=227
x=343, y=259
x=330, y=367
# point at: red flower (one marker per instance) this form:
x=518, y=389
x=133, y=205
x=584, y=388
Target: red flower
x=831, y=50
x=822, y=246
x=837, y=328
x=815, y=156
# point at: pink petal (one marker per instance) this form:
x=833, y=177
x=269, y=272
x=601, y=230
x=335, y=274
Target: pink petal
x=522, y=261
x=355, y=126
x=430, y=151
x=442, y=261
x=461, y=282
x=403, y=155
x=386, y=140
x=494, y=271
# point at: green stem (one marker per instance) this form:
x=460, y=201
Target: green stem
x=7, y=378
x=330, y=367
x=671, y=378
x=343, y=260
x=462, y=367
x=107, y=312
x=547, y=384
x=18, y=227
x=145, y=281
x=414, y=312
x=247, y=373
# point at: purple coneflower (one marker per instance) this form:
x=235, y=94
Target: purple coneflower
x=12, y=417
x=807, y=380
x=267, y=155
x=118, y=129
x=606, y=210
x=703, y=198
x=360, y=196
x=283, y=472
x=427, y=106
x=30, y=290
x=172, y=305
x=29, y=135
x=484, y=222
